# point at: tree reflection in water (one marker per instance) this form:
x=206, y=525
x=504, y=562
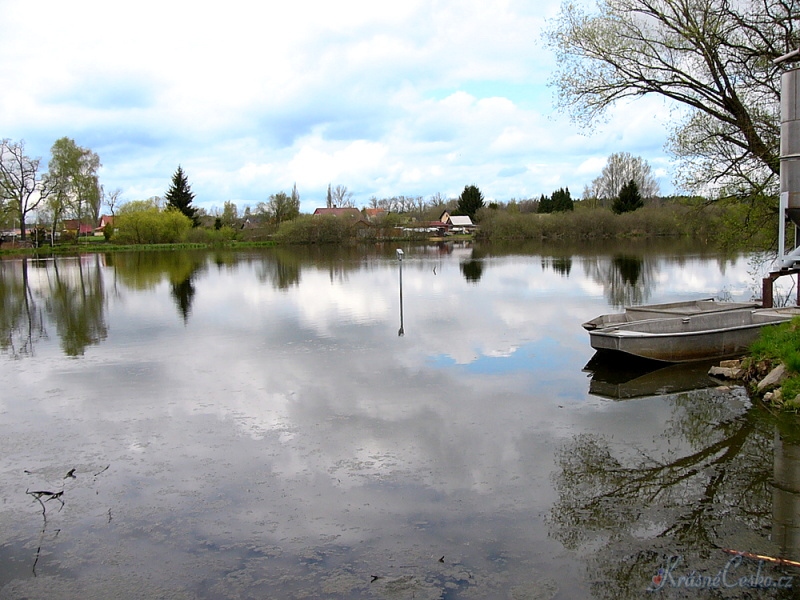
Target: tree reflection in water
x=705, y=486
x=73, y=300
x=76, y=304
x=560, y=264
x=283, y=272
x=472, y=270
x=21, y=323
x=628, y=279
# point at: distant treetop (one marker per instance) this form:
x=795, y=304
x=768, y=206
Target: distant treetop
x=180, y=195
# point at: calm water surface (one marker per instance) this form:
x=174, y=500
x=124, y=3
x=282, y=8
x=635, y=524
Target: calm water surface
x=251, y=425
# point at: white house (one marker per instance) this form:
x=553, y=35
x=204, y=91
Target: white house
x=457, y=223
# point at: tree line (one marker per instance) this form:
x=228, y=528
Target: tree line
x=713, y=60
x=70, y=189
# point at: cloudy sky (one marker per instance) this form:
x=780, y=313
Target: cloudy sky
x=403, y=98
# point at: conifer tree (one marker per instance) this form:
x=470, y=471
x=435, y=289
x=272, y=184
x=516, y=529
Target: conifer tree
x=545, y=204
x=629, y=198
x=562, y=200
x=180, y=196
x=470, y=201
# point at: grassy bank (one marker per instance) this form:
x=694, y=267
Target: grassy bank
x=779, y=345
x=101, y=246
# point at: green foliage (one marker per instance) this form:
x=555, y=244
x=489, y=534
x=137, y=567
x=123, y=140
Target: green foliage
x=545, y=205
x=224, y=235
x=750, y=222
x=319, y=229
x=282, y=207
x=672, y=219
x=180, y=196
x=73, y=182
x=143, y=222
x=470, y=201
x=560, y=201
x=629, y=198
x=230, y=213
x=781, y=342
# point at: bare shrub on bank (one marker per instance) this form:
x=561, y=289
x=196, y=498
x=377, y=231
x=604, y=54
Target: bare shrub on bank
x=601, y=223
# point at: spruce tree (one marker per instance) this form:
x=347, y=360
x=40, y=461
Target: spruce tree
x=180, y=196
x=562, y=201
x=470, y=201
x=629, y=199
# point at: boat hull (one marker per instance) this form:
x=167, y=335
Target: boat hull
x=690, y=338
x=671, y=309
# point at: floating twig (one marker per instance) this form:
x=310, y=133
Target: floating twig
x=51, y=496
x=38, y=495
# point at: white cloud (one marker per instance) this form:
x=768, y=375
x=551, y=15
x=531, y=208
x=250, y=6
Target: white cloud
x=411, y=98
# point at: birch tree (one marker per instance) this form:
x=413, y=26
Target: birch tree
x=74, y=182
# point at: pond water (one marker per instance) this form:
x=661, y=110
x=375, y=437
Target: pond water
x=253, y=425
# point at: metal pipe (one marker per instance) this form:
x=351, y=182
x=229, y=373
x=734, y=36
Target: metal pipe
x=789, y=259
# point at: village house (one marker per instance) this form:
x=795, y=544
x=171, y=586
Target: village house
x=361, y=223
x=456, y=223
x=75, y=227
x=339, y=212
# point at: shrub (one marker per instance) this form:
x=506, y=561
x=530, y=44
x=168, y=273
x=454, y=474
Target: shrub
x=214, y=237
x=143, y=222
x=601, y=223
x=315, y=229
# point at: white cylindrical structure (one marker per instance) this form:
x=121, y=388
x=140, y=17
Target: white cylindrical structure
x=790, y=143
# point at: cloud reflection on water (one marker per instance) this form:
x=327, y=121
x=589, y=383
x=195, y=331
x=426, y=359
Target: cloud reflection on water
x=267, y=420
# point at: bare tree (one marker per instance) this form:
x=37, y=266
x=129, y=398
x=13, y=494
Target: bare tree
x=20, y=184
x=438, y=201
x=111, y=200
x=620, y=169
x=341, y=197
x=713, y=58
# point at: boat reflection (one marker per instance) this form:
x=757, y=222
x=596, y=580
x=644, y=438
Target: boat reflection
x=621, y=377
